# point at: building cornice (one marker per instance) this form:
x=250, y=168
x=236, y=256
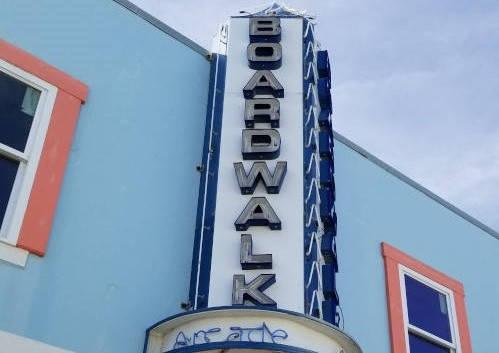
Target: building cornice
x=342, y=139
x=164, y=28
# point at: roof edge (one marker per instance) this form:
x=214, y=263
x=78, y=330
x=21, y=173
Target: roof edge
x=414, y=184
x=275, y=9
x=163, y=27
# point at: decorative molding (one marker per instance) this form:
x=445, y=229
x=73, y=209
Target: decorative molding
x=37, y=223
x=403, y=259
x=42, y=70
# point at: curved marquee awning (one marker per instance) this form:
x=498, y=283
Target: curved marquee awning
x=246, y=330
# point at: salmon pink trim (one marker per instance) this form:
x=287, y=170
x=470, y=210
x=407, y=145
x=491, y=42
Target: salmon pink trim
x=42, y=70
x=393, y=258
x=42, y=203
x=71, y=93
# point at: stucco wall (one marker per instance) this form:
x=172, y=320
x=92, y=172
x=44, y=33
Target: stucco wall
x=120, y=250
x=374, y=206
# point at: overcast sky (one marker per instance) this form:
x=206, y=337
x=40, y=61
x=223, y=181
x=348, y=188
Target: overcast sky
x=416, y=83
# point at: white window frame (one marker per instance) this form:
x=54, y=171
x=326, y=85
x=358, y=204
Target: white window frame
x=28, y=160
x=455, y=346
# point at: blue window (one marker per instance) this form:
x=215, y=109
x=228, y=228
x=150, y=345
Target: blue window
x=18, y=103
x=418, y=344
x=428, y=315
x=8, y=172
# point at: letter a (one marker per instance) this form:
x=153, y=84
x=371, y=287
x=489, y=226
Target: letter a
x=263, y=82
x=258, y=212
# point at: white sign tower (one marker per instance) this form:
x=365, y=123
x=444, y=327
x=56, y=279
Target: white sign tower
x=264, y=261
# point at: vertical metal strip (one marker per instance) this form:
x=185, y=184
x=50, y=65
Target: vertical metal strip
x=203, y=242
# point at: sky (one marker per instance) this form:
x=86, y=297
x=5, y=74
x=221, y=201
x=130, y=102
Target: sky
x=415, y=82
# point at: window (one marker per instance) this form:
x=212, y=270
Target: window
x=426, y=308
x=39, y=108
x=25, y=108
x=428, y=314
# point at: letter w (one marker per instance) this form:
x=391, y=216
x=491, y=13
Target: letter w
x=260, y=171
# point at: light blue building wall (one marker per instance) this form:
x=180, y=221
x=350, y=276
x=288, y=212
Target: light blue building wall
x=119, y=256
x=375, y=206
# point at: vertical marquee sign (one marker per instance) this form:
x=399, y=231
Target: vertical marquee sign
x=264, y=256
x=266, y=222
x=258, y=228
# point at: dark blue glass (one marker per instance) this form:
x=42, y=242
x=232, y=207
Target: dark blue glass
x=8, y=171
x=18, y=103
x=427, y=308
x=420, y=345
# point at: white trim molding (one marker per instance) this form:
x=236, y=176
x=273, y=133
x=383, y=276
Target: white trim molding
x=10, y=343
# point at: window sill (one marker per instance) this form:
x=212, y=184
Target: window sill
x=13, y=255
x=15, y=343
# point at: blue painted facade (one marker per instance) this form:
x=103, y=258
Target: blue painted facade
x=121, y=244
x=374, y=206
